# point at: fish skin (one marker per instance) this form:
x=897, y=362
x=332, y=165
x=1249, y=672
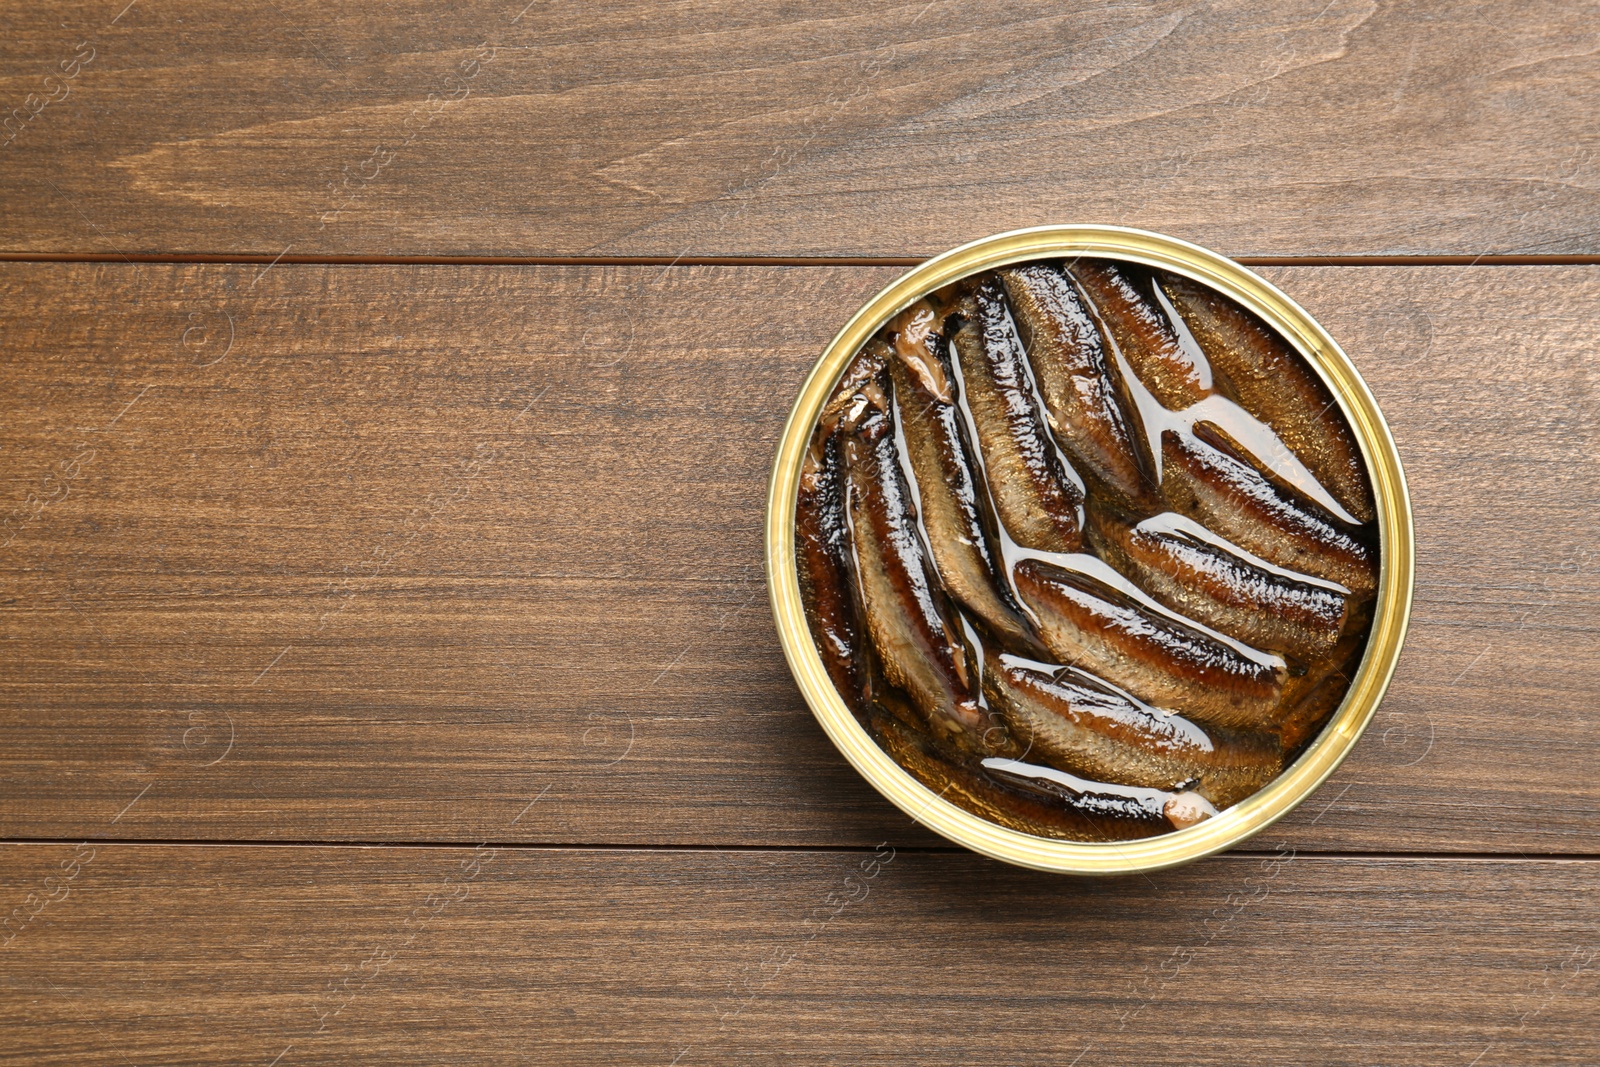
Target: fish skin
x=953, y=500
x=1305, y=718
x=907, y=614
x=1108, y=806
x=1309, y=700
x=1210, y=585
x=1043, y=813
x=1142, y=332
x=863, y=371
x=822, y=548
x=1161, y=660
x=1273, y=382
x=1080, y=725
x=1206, y=477
x=1035, y=499
x=822, y=532
x=1093, y=417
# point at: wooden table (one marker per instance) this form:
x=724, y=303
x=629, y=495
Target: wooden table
x=388, y=395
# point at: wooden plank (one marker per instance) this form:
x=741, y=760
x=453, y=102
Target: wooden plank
x=831, y=128
x=388, y=553
x=239, y=954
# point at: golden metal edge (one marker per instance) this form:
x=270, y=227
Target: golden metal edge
x=1390, y=616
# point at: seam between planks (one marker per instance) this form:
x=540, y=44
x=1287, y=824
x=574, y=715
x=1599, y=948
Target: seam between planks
x=1327, y=854
x=746, y=261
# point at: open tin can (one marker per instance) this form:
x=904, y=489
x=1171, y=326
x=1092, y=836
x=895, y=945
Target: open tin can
x=1390, y=609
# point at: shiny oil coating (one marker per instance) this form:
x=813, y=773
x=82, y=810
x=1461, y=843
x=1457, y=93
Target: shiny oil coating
x=933, y=656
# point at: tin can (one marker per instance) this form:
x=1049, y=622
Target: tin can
x=1391, y=609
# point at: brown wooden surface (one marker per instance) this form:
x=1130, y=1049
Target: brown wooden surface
x=429, y=541
x=411, y=557
x=495, y=127
x=203, y=955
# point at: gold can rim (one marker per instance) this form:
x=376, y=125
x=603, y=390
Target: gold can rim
x=1391, y=611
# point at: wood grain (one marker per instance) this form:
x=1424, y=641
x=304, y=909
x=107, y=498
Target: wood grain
x=389, y=553
x=238, y=954
x=834, y=128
